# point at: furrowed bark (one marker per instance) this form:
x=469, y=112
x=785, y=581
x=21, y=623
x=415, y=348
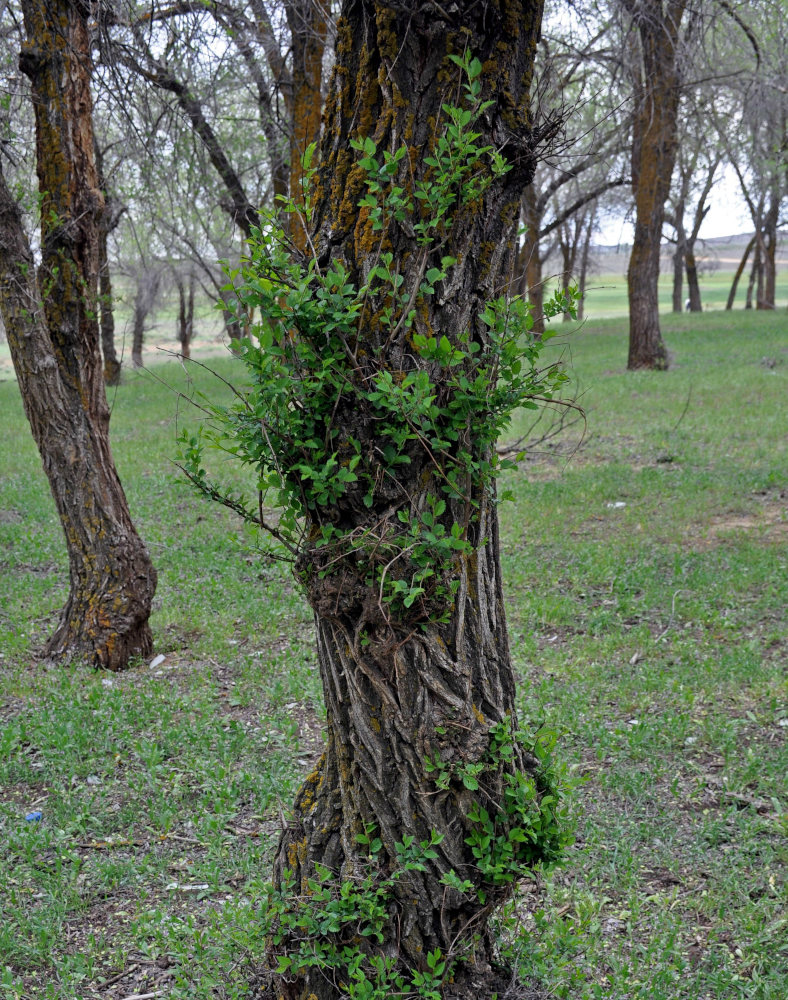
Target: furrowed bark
x=52, y=325
x=396, y=692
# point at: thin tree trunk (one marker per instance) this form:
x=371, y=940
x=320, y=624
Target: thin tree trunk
x=529, y=261
x=584, y=262
x=738, y=274
x=185, y=314
x=678, y=271
x=760, y=276
x=569, y=243
x=110, y=218
x=138, y=338
x=52, y=328
x=107, y=314
x=755, y=273
x=397, y=694
x=767, y=294
x=693, y=285
x=148, y=283
x=701, y=211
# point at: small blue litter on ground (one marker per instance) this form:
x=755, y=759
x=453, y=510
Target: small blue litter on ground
x=34, y=817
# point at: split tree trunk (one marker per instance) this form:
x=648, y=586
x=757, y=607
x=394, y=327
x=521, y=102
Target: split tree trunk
x=52, y=326
x=653, y=157
x=738, y=274
x=756, y=274
x=396, y=693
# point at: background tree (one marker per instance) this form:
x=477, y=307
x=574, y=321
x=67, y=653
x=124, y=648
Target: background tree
x=654, y=43
x=697, y=164
x=584, y=161
x=758, y=152
x=53, y=332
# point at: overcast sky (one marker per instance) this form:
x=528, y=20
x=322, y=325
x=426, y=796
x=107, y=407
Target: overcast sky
x=728, y=215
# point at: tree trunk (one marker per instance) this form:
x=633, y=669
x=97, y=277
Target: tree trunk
x=185, y=314
x=701, y=211
x=738, y=274
x=53, y=333
x=767, y=294
x=400, y=690
x=148, y=283
x=756, y=272
x=569, y=242
x=585, y=260
x=107, y=314
x=653, y=158
x=109, y=220
x=693, y=285
x=529, y=261
x=308, y=22
x=678, y=270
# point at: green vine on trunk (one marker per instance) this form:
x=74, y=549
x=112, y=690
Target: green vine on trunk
x=323, y=346
x=523, y=822
x=339, y=926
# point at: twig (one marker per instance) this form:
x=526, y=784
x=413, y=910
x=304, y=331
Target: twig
x=144, y=996
x=105, y=845
x=120, y=975
x=684, y=411
x=185, y=840
x=665, y=631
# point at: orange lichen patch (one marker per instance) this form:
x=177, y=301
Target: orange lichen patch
x=479, y=717
x=308, y=793
x=388, y=42
x=296, y=853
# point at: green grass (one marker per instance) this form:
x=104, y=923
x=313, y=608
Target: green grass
x=652, y=635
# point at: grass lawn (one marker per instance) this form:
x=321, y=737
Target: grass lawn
x=647, y=580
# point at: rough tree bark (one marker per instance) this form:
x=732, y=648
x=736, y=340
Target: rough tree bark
x=397, y=694
x=657, y=95
x=52, y=326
